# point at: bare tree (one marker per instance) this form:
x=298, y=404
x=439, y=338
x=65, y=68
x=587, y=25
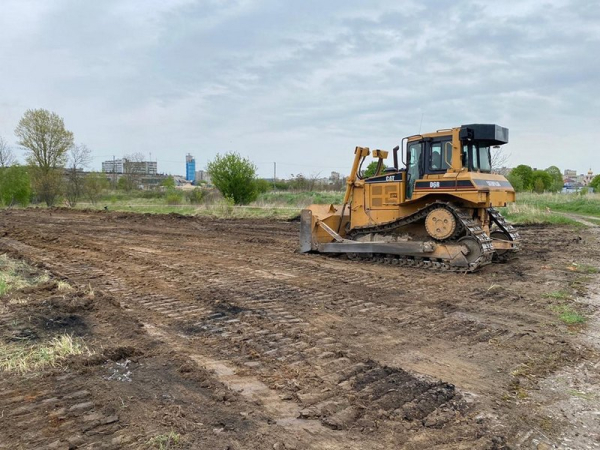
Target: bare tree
x=95, y=184
x=498, y=158
x=79, y=157
x=133, y=169
x=7, y=158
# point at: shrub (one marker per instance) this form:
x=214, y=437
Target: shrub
x=235, y=177
x=196, y=196
x=173, y=197
x=15, y=186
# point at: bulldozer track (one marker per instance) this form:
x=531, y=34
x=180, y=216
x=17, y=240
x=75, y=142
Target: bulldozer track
x=466, y=225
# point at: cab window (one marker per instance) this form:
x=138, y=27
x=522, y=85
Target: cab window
x=440, y=156
x=478, y=156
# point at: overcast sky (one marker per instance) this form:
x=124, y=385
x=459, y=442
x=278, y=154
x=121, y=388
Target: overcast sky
x=302, y=82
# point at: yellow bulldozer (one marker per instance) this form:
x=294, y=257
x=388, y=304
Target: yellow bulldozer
x=435, y=210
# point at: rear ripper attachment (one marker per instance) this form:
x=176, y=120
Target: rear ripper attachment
x=437, y=211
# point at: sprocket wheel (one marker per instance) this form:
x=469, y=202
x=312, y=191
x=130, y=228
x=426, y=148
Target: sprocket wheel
x=440, y=223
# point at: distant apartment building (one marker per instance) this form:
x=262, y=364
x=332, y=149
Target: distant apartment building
x=202, y=175
x=190, y=168
x=113, y=166
x=124, y=165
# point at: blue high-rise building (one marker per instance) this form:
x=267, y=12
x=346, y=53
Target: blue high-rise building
x=190, y=168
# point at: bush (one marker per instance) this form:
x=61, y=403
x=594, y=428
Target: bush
x=224, y=206
x=15, y=186
x=196, y=196
x=173, y=197
x=263, y=186
x=235, y=177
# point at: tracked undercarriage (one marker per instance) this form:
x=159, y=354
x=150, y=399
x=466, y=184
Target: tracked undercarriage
x=460, y=244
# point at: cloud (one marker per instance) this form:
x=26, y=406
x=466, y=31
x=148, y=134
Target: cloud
x=302, y=83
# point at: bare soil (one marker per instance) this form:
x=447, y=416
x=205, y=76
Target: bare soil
x=217, y=330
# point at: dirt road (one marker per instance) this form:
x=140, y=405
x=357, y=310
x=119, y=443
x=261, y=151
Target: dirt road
x=219, y=331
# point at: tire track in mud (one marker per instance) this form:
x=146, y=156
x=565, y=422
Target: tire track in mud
x=265, y=340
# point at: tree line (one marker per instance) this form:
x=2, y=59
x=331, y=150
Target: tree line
x=55, y=166
x=524, y=178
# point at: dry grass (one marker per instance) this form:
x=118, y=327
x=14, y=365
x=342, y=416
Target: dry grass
x=16, y=274
x=164, y=441
x=22, y=358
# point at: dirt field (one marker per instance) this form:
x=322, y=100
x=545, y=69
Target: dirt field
x=218, y=331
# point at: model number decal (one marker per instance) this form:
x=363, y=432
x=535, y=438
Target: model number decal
x=493, y=183
x=434, y=184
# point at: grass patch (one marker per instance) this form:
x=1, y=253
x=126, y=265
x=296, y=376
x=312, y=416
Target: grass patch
x=164, y=441
x=583, y=268
x=558, y=295
x=568, y=315
x=588, y=204
x=583, y=395
x=525, y=214
x=274, y=204
x=20, y=358
x=16, y=274
x=299, y=199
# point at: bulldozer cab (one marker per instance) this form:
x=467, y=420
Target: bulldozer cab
x=427, y=156
x=462, y=149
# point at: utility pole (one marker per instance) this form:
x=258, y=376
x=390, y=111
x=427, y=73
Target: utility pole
x=114, y=173
x=274, y=173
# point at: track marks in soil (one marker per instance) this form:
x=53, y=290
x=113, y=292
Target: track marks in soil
x=306, y=326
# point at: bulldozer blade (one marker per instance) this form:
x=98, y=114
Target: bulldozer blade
x=306, y=240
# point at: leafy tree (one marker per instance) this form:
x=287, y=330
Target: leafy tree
x=516, y=181
x=557, y=178
x=7, y=158
x=94, y=184
x=370, y=170
x=46, y=140
x=538, y=185
x=15, y=186
x=79, y=158
x=168, y=182
x=595, y=183
x=234, y=177
x=526, y=175
x=546, y=180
